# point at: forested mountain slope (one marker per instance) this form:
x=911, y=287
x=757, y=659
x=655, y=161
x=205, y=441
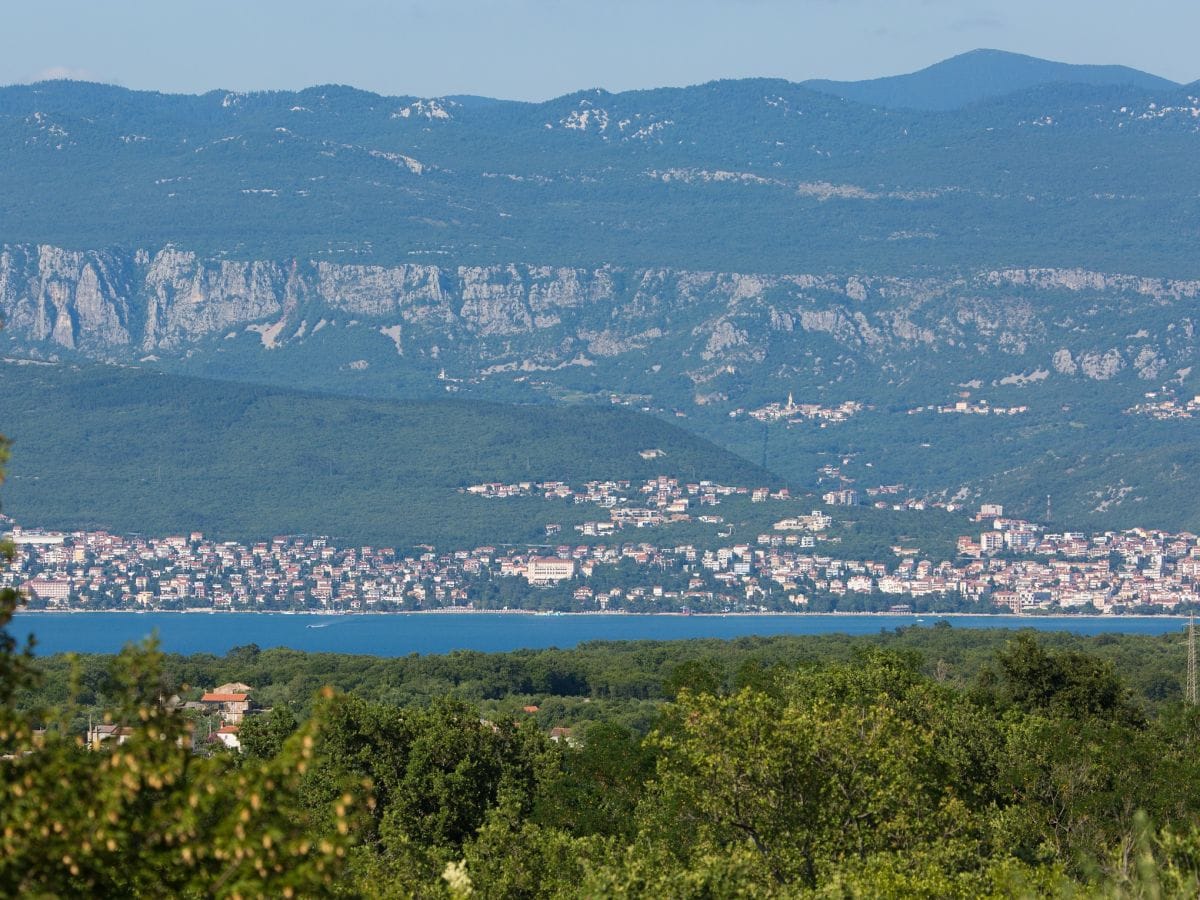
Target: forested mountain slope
x=140, y=451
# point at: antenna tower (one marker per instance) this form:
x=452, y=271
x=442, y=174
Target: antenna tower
x=1047, y=509
x=1191, y=665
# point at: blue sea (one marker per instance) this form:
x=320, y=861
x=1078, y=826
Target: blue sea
x=400, y=634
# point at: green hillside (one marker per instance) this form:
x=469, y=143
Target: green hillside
x=135, y=450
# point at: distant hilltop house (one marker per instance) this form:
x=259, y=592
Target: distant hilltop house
x=549, y=569
x=989, y=511
x=231, y=701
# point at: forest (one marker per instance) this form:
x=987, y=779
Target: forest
x=246, y=462
x=921, y=762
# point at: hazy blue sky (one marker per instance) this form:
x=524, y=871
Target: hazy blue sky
x=535, y=49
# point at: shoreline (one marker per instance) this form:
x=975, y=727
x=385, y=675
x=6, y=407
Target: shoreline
x=459, y=611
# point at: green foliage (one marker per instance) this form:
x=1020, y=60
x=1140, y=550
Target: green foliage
x=1066, y=684
x=919, y=763
x=248, y=462
x=599, y=784
x=262, y=737
x=151, y=817
x=829, y=766
x=1164, y=863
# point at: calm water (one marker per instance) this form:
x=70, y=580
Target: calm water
x=399, y=635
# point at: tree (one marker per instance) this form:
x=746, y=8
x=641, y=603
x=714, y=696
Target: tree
x=148, y=816
x=828, y=767
x=263, y=736
x=599, y=785
x=1069, y=684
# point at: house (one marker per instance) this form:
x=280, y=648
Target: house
x=991, y=541
x=560, y=733
x=98, y=734
x=227, y=735
x=844, y=497
x=231, y=705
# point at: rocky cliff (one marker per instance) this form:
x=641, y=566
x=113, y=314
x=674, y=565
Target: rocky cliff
x=118, y=305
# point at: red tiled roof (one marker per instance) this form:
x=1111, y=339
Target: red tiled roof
x=223, y=698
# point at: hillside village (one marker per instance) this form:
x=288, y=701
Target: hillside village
x=795, y=413
x=1165, y=407
x=1005, y=564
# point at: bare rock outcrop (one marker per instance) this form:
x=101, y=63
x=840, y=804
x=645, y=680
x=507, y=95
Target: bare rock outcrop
x=123, y=305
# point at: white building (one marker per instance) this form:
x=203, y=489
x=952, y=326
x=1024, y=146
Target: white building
x=548, y=569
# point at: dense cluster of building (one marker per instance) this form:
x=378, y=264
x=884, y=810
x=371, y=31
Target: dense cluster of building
x=1160, y=406
x=1011, y=562
x=1015, y=564
x=967, y=408
x=794, y=413
x=653, y=502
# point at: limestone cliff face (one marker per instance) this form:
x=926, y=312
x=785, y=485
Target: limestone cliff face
x=124, y=305
x=72, y=299
x=183, y=297
x=418, y=293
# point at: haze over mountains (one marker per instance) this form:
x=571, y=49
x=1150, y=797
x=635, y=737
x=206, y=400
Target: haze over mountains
x=1009, y=227
x=752, y=176
x=982, y=75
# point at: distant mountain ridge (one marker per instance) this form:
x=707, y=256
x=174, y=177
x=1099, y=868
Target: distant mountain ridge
x=752, y=175
x=981, y=75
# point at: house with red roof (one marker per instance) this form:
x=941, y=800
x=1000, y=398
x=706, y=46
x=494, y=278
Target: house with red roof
x=232, y=706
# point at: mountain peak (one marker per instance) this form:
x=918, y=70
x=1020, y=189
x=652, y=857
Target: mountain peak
x=979, y=75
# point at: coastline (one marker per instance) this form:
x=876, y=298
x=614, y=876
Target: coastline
x=399, y=634
x=460, y=611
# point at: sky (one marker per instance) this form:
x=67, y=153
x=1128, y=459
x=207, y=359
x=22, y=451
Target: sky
x=537, y=49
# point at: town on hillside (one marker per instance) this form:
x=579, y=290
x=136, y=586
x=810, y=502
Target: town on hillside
x=1004, y=564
